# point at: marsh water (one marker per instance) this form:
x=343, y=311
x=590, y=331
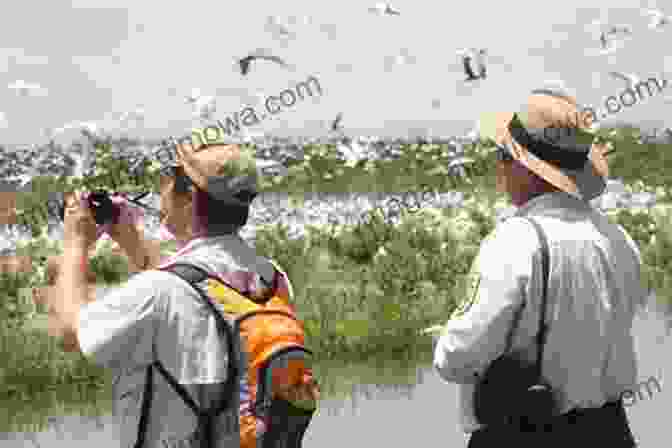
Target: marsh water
x=391, y=404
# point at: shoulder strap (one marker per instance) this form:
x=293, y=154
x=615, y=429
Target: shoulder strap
x=146, y=405
x=192, y=275
x=545, y=263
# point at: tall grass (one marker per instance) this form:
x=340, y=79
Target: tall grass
x=363, y=292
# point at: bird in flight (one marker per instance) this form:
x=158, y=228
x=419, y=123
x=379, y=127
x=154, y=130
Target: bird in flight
x=611, y=37
x=274, y=26
x=336, y=124
x=279, y=31
x=384, y=9
x=244, y=63
x=658, y=19
x=203, y=106
x=473, y=64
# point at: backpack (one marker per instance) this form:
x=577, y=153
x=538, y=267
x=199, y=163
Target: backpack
x=271, y=369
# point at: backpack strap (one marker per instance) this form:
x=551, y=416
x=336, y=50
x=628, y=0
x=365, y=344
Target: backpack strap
x=146, y=406
x=193, y=275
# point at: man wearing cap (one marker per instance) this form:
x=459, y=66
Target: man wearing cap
x=594, y=286
x=205, y=199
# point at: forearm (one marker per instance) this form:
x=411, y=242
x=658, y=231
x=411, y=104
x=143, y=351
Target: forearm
x=72, y=290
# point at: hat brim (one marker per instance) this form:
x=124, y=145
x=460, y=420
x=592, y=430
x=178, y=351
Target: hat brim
x=586, y=183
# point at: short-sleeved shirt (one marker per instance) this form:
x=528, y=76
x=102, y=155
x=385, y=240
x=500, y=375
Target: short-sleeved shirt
x=157, y=314
x=595, y=288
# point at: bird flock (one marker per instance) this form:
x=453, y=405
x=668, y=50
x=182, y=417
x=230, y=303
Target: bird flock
x=474, y=62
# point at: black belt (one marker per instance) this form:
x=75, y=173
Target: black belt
x=610, y=409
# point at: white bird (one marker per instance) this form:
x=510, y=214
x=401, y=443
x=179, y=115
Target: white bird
x=384, y=9
x=473, y=63
x=352, y=151
x=25, y=89
x=203, y=106
x=630, y=79
x=658, y=19
x=275, y=27
x=336, y=125
x=472, y=135
x=611, y=37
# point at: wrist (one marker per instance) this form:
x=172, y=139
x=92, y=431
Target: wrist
x=76, y=245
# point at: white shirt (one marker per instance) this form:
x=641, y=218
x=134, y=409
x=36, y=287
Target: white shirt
x=594, y=291
x=156, y=314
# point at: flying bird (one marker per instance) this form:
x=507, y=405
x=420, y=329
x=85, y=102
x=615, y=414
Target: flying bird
x=203, y=106
x=630, y=79
x=25, y=89
x=473, y=63
x=274, y=26
x=244, y=63
x=611, y=37
x=658, y=19
x=279, y=31
x=384, y=9
x=336, y=124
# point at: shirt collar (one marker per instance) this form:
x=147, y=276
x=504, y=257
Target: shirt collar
x=198, y=243
x=551, y=200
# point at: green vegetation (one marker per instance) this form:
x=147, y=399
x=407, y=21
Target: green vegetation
x=364, y=292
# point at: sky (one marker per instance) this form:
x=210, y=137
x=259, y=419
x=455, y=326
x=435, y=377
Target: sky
x=97, y=58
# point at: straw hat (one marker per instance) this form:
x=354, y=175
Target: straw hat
x=553, y=139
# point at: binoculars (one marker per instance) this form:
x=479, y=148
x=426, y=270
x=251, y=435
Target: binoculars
x=102, y=208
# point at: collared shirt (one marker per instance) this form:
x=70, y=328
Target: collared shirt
x=594, y=291
x=158, y=315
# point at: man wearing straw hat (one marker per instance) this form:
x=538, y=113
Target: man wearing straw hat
x=593, y=290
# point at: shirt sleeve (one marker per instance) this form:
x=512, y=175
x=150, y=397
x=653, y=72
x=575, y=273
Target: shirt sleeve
x=642, y=290
x=120, y=327
x=476, y=334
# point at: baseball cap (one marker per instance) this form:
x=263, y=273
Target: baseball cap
x=227, y=172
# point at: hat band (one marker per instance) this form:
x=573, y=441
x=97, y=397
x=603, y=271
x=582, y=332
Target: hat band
x=571, y=158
